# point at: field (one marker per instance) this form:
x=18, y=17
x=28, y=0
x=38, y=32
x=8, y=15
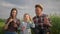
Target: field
x=1, y=28
x=55, y=29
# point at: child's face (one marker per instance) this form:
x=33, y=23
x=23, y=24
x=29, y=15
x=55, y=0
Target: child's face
x=27, y=17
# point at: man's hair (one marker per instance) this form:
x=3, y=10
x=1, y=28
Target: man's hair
x=40, y=6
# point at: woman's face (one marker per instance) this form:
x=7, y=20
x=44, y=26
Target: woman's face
x=26, y=17
x=14, y=13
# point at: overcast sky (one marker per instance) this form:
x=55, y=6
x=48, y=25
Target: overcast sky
x=27, y=6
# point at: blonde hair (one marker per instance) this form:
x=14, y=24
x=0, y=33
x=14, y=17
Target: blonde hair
x=30, y=19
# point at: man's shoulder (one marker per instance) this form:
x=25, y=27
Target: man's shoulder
x=44, y=15
x=34, y=17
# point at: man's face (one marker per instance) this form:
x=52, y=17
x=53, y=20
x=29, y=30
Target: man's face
x=38, y=10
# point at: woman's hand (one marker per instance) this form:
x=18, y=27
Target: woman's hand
x=15, y=25
x=23, y=28
x=10, y=20
x=6, y=25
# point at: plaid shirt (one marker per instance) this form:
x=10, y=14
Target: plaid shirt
x=41, y=19
x=11, y=26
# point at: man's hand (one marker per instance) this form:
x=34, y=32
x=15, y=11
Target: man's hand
x=41, y=24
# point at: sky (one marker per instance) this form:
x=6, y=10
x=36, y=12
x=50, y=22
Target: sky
x=28, y=6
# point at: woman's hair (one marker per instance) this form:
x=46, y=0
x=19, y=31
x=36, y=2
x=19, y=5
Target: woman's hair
x=28, y=15
x=11, y=13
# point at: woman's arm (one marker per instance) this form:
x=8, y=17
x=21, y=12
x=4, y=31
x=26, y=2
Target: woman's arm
x=23, y=26
x=32, y=25
x=7, y=23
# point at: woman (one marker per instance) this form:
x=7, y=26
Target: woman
x=26, y=25
x=12, y=23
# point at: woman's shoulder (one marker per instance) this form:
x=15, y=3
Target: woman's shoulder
x=22, y=22
x=30, y=22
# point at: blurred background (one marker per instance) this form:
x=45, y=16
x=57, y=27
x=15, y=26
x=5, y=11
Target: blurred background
x=51, y=7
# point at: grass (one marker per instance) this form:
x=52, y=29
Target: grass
x=55, y=29
x=1, y=28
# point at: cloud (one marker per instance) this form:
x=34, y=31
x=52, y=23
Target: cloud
x=10, y=5
x=21, y=2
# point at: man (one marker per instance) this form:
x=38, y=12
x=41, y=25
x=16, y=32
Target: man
x=41, y=21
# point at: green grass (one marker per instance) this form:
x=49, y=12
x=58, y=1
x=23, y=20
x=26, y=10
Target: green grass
x=1, y=24
x=55, y=29
x=1, y=28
